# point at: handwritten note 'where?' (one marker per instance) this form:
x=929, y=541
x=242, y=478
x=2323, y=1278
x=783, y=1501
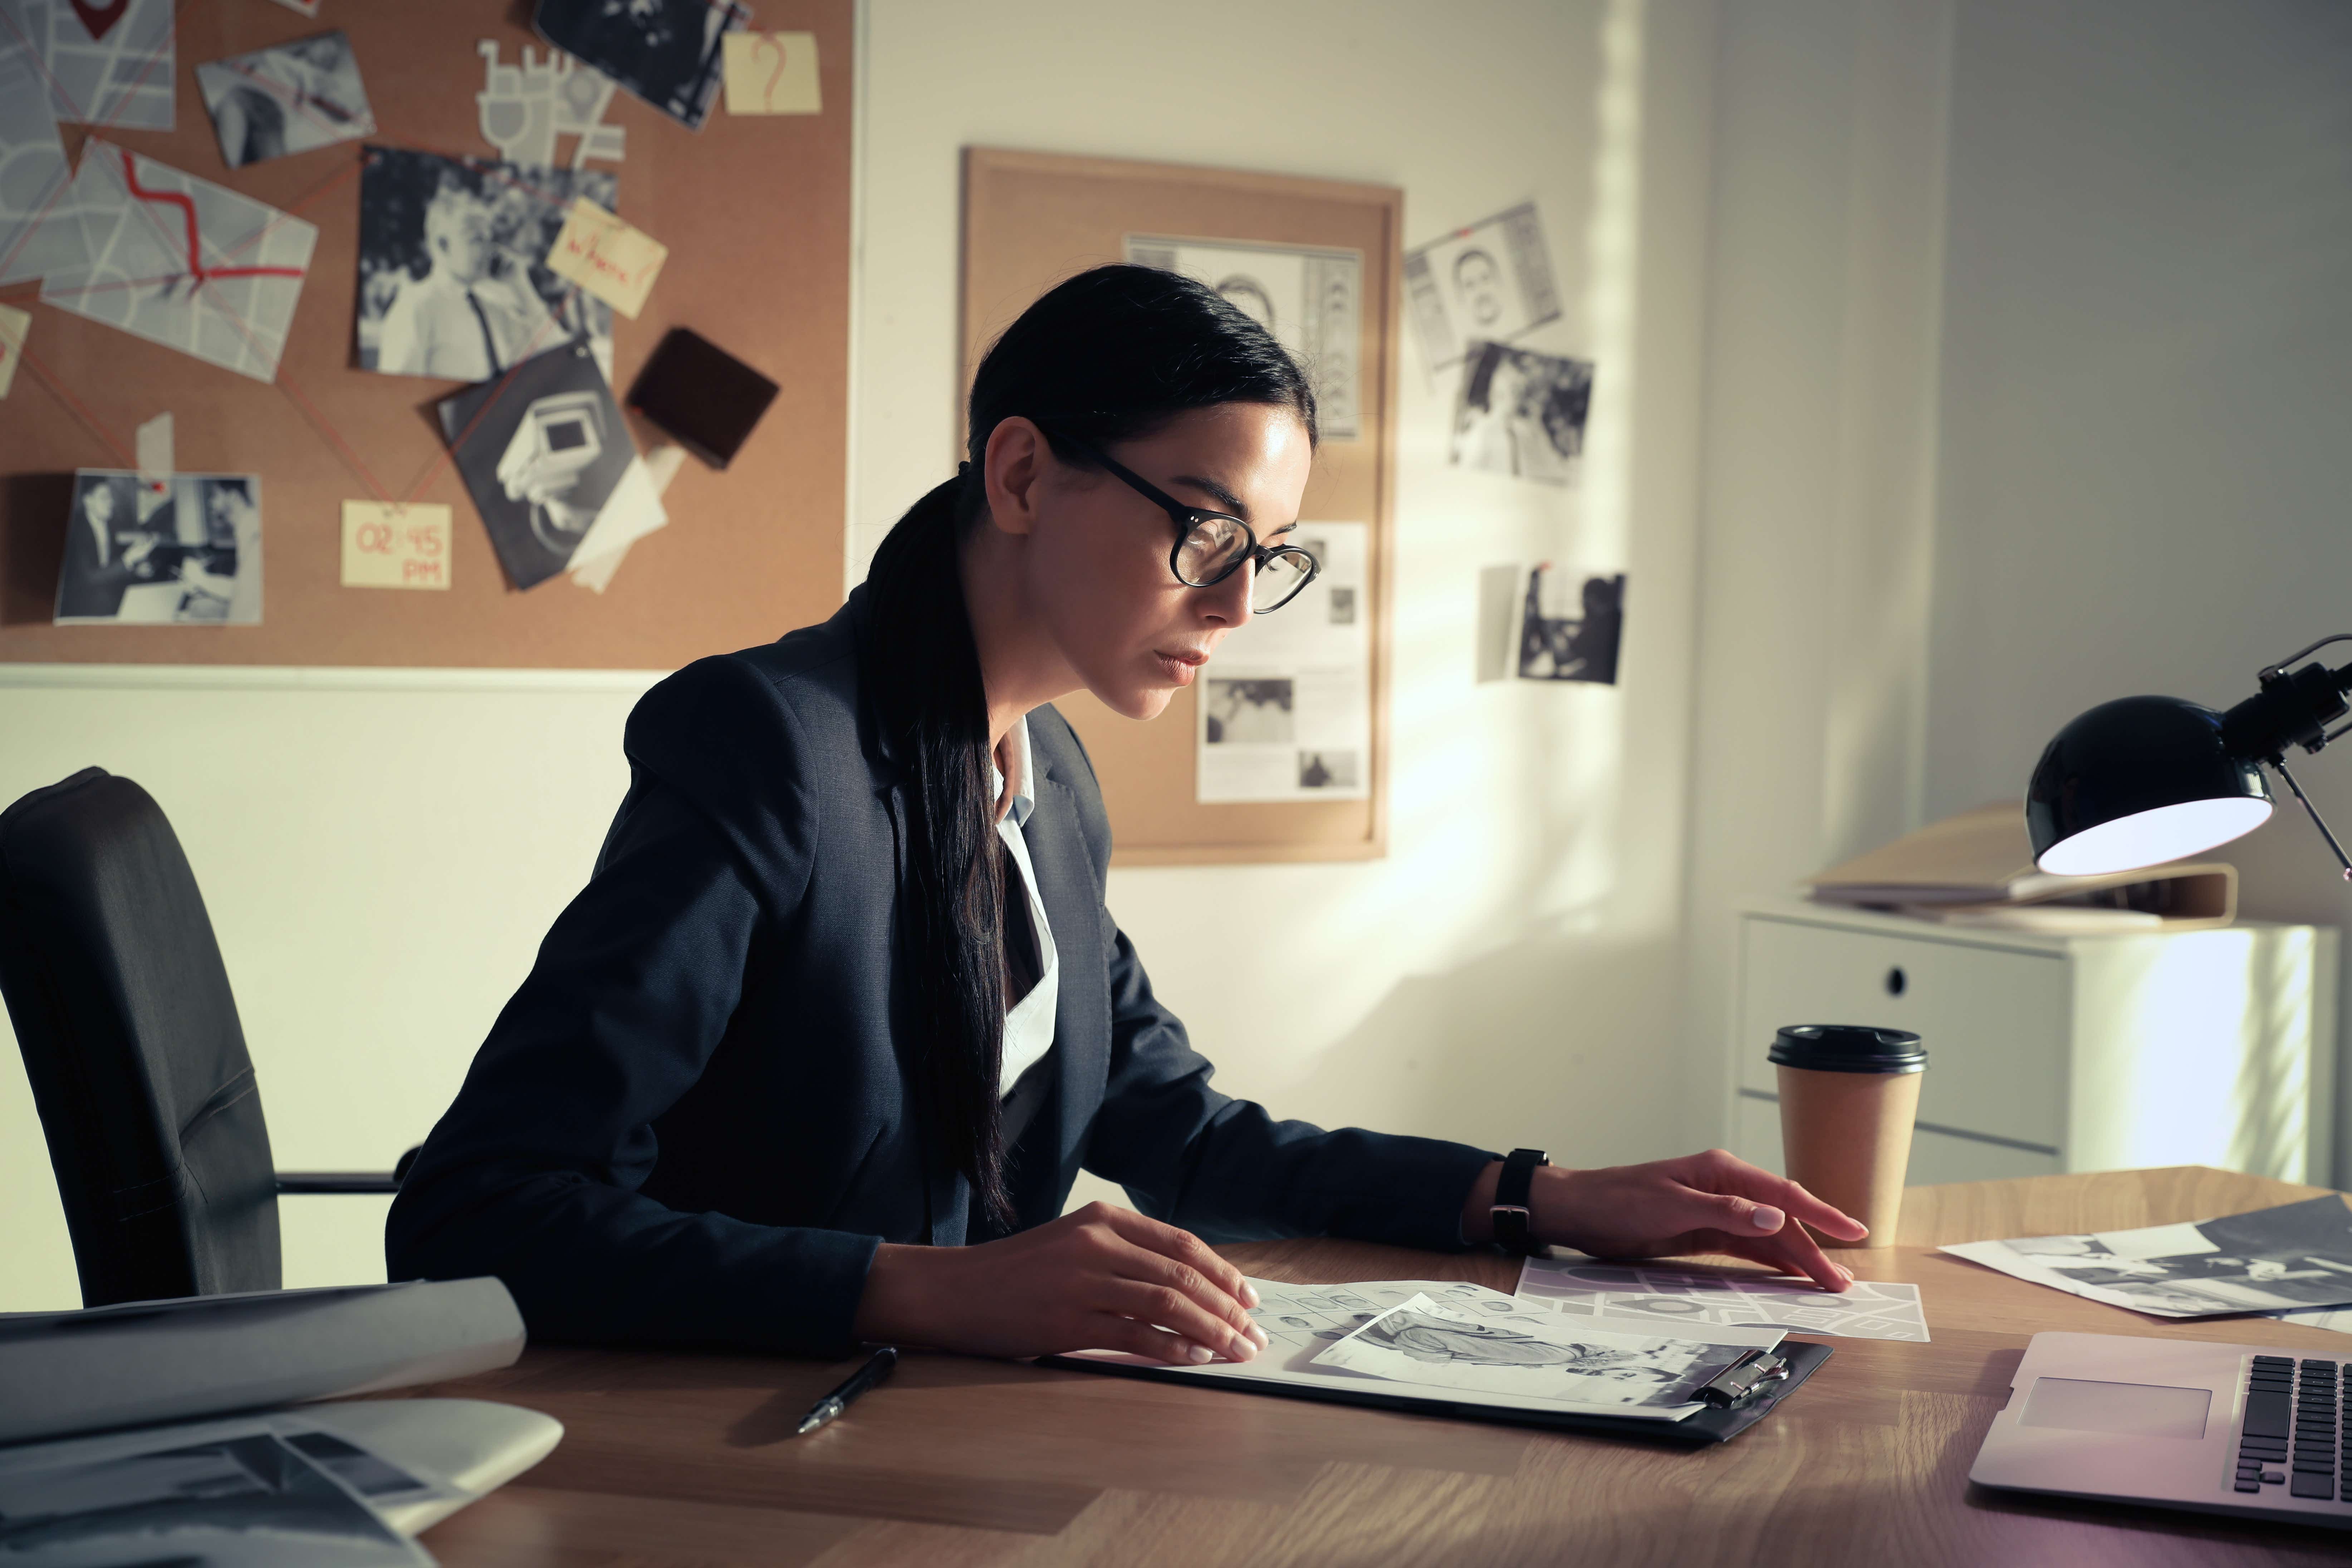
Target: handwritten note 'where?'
x=607, y=258
x=771, y=73
x=395, y=546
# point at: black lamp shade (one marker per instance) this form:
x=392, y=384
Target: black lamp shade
x=2139, y=781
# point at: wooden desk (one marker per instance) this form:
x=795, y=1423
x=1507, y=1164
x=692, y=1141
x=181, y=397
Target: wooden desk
x=688, y=1459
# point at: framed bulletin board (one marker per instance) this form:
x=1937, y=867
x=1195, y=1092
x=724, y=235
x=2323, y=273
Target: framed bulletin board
x=1269, y=242
x=754, y=210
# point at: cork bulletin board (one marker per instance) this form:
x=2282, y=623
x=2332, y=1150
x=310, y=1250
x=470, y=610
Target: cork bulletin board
x=755, y=212
x=1030, y=220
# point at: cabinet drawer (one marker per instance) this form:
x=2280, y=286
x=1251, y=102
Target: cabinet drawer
x=1995, y=1022
x=1935, y=1156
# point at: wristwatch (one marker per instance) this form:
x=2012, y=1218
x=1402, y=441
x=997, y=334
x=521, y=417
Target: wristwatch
x=1512, y=1211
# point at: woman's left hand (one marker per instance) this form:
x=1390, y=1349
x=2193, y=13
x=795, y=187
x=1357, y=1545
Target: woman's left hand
x=1712, y=1202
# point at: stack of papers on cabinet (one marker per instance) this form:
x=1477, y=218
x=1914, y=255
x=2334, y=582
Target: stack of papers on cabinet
x=1977, y=869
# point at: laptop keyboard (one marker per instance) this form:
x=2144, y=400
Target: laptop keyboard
x=2291, y=1431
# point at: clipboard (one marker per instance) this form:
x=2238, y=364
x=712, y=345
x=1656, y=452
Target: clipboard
x=1705, y=1429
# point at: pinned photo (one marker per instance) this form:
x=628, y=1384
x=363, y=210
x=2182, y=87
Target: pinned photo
x=1521, y=413
x=671, y=53
x=550, y=465
x=1571, y=626
x=289, y=98
x=454, y=275
x=184, y=551
x=1488, y=283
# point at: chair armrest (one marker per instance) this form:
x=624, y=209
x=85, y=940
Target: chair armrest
x=337, y=1182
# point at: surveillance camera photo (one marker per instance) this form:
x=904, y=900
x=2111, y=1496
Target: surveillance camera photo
x=550, y=465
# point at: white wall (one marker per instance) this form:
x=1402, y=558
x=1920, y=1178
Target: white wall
x=2145, y=409
x=381, y=857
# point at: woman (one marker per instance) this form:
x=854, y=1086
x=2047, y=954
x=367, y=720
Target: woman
x=815, y=1056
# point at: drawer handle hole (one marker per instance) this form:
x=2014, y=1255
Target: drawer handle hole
x=1896, y=980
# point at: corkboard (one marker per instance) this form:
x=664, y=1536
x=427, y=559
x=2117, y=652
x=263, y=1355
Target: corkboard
x=1032, y=219
x=755, y=211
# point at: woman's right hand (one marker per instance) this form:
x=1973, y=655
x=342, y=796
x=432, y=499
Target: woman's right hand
x=1102, y=1278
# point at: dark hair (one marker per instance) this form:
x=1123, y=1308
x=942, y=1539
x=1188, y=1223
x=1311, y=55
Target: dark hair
x=1107, y=356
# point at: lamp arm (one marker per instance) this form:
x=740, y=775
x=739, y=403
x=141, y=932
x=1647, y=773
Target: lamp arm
x=2317, y=820
x=2280, y=668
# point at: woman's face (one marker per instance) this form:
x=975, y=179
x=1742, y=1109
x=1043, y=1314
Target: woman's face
x=1096, y=559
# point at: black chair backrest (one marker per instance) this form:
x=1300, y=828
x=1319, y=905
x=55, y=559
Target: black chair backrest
x=131, y=1038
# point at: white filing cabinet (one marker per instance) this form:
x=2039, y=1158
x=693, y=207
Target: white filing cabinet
x=2048, y=1054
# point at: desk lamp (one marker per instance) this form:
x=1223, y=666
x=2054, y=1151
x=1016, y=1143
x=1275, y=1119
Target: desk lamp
x=2144, y=780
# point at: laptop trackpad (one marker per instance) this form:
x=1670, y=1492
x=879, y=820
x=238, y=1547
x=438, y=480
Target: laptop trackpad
x=2142, y=1409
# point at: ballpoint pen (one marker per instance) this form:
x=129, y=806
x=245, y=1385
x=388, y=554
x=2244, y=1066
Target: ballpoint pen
x=878, y=1367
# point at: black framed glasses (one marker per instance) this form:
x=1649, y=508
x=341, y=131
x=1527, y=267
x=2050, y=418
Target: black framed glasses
x=1211, y=546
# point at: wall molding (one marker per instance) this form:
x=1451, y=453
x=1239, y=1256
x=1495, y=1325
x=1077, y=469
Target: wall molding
x=289, y=677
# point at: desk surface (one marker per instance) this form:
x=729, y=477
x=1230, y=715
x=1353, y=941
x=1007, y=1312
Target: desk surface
x=688, y=1459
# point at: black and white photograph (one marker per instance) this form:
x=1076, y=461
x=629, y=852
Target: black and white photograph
x=1423, y=1342
x=1329, y=770
x=668, y=52
x=453, y=273
x=1571, y=625
x=1247, y=711
x=292, y=98
x=249, y=1500
x=1486, y=283
x=1310, y=299
x=1342, y=602
x=551, y=466
x=182, y=551
x=2293, y=1257
x=1521, y=413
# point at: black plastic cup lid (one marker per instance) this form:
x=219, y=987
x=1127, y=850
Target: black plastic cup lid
x=1848, y=1047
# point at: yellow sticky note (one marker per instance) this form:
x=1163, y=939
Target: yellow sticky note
x=771, y=73
x=607, y=258
x=14, y=324
x=395, y=546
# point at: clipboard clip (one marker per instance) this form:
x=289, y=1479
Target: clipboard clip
x=1744, y=1379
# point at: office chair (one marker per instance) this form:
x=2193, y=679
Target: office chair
x=137, y=1065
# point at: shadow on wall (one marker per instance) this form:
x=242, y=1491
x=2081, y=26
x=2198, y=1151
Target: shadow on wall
x=1506, y=1051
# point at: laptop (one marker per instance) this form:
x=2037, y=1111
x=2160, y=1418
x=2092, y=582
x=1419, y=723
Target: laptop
x=2220, y=1428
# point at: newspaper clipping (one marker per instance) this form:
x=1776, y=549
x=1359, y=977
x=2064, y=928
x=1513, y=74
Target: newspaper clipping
x=1311, y=299
x=1286, y=710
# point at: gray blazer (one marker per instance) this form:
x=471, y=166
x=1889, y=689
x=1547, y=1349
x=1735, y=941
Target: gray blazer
x=694, y=1123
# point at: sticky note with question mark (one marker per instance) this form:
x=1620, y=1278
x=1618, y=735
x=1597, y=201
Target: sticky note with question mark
x=771, y=73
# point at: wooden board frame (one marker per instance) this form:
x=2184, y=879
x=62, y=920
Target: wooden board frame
x=749, y=554
x=1031, y=219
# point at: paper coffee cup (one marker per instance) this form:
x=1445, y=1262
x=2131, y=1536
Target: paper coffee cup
x=1849, y=1095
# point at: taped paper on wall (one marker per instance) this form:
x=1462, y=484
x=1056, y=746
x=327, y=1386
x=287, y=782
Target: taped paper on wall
x=290, y=98
x=13, y=326
x=183, y=262
x=1521, y=413
x=1310, y=299
x=1285, y=709
x=606, y=257
x=1571, y=625
x=186, y=551
x=392, y=546
x=773, y=73
x=1488, y=282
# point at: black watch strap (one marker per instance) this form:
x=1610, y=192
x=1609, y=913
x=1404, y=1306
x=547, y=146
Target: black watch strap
x=1513, y=1189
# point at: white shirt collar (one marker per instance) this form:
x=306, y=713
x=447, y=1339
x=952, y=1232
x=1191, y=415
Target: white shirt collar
x=1026, y=801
